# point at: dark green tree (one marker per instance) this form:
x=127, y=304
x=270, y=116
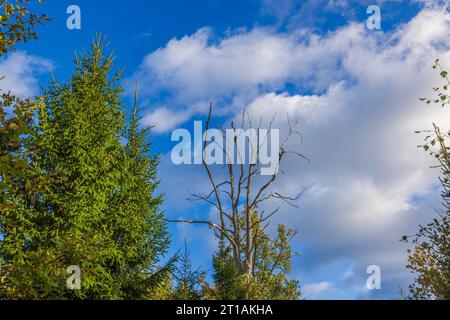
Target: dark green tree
x=228, y=281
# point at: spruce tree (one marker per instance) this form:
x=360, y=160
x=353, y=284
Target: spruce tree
x=270, y=278
x=138, y=214
x=80, y=135
x=228, y=281
x=90, y=201
x=188, y=282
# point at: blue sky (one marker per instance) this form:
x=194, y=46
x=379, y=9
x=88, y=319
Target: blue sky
x=354, y=91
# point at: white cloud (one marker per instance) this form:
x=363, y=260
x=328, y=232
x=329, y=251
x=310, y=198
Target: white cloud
x=194, y=67
x=20, y=72
x=199, y=68
x=358, y=123
x=362, y=146
x=165, y=119
x=315, y=290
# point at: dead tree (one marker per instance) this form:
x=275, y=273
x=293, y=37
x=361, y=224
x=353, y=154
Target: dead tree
x=239, y=198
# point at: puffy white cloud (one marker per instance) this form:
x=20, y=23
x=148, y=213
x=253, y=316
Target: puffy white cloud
x=165, y=119
x=194, y=67
x=357, y=104
x=198, y=68
x=20, y=72
x=365, y=168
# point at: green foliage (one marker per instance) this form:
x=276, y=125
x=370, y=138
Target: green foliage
x=429, y=260
x=273, y=265
x=17, y=23
x=137, y=213
x=21, y=180
x=442, y=97
x=162, y=290
x=270, y=278
x=76, y=195
x=229, y=282
x=77, y=187
x=22, y=183
x=188, y=282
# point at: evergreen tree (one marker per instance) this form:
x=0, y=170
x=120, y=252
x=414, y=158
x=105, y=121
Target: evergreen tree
x=228, y=281
x=163, y=289
x=80, y=135
x=188, y=282
x=95, y=207
x=270, y=276
x=136, y=205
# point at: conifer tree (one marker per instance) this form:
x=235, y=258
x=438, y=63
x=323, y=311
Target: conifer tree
x=137, y=206
x=228, y=281
x=80, y=133
x=94, y=205
x=270, y=278
x=188, y=282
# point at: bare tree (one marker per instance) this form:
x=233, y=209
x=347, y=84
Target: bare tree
x=239, y=198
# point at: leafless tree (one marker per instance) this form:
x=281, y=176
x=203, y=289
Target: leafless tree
x=239, y=198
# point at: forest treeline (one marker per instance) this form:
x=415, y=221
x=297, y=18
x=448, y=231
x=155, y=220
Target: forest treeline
x=78, y=186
